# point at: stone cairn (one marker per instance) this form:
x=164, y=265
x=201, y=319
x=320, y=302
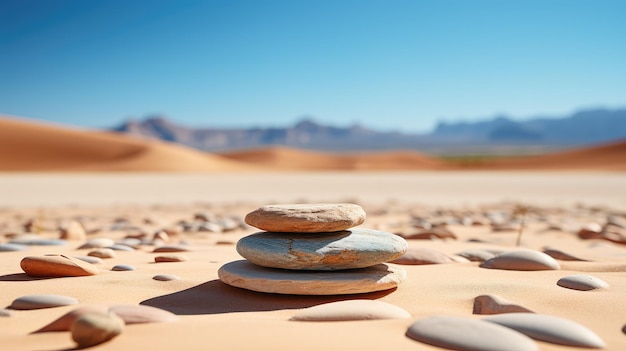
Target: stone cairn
x=313, y=249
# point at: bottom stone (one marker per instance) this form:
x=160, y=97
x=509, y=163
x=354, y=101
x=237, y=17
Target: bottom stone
x=246, y=275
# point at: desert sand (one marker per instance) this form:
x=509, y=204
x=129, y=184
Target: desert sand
x=54, y=176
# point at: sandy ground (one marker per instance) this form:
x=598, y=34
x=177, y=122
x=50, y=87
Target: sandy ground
x=218, y=317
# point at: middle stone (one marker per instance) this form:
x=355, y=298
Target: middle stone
x=355, y=248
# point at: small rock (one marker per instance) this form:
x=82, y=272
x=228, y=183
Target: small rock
x=102, y=253
x=135, y=314
x=171, y=248
x=477, y=255
x=165, y=277
x=5, y=313
x=429, y=234
x=95, y=328
x=121, y=247
x=466, y=334
x=56, y=266
x=616, y=221
x=161, y=236
x=34, y=302
x=351, y=310
x=64, y=323
x=210, y=227
x=306, y=218
x=97, y=243
x=122, y=267
x=493, y=304
x=12, y=247
x=171, y=258
x=522, y=260
x=420, y=256
x=560, y=255
x=89, y=259
x=582, y=282
x=36, y=240
x=550, y=329
x=73, y=231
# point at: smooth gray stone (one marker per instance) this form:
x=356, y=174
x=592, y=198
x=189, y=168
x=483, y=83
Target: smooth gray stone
x=12, y=247
x=522, y=260
x=477, y=255
x=356, y=248
x=32, y=240
x=246, y=275
x=466, y=334
x=97, y=243
x=122, y=267
x=33, y=302
x=165, y=277
x=89, y=259
x=582, y=282
x=306, y=218
x=121, y=247
x=550, y=329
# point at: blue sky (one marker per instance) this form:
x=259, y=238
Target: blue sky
x=393, y=65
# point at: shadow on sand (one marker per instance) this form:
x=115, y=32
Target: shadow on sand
x=215, y=297
x=19, y=277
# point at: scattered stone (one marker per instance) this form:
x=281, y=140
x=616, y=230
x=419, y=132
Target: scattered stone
x=356, y=248
x=617, y=221
x=205, y=216
x=466, y=334
x=95, y=328
x=243, y=274
x=477, y=255
x=171, y=248
x=351, y=310
x=429, y=234
x=161, y=236
x=135, y=314
x=505, y=227
x=73, y=231
x=5, y=313
x=165, y=277
x=306, y=218
x=36, y=240
x=132, y=242
x=171, y=258
x=522, y=260
x=121, y=247
x=210, y=227
x=12, y=247
x=550, y=329
x=102, y=253
x=582, y=282
x=89, y=259
x=421, y=256
x=224, y=242
x=493, y=304
x=122, y=267
x=34, y=302
x=97, y=243
x=56, y=266
x=64, y=323
x=560, y=255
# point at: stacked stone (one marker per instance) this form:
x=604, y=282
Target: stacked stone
x=313, y=249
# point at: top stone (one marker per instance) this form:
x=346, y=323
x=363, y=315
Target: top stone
x=306, y=218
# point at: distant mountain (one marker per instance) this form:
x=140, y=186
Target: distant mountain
x=500, y=134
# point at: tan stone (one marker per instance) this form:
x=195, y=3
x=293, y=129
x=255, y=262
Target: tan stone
x=73, y=231
x=57, y=266
x=95, y=328
x=493, y=304
x=351, y=310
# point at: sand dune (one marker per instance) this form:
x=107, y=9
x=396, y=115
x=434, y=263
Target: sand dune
x=34, y=146
x=278, y=157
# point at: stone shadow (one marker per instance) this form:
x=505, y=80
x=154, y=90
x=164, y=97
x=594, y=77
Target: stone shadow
x=20, y=277
x=215, y=297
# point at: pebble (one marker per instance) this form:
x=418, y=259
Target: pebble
x=73, y=231
x=477, y=255
x=97, y=243
x=306, y=218
x=421, y=256
x=560, y=255
x=122, y=267
x=493, y=304
x=89, y=259
x=616, y=221
x=171, y=248
x=102, y=253
x=246, y=275
x=550, y=329
x=135, y=314
x=165, y=277
x=34, y=302
x=56, y=266
x=466, y=334
x=36, y=240
x=429, y=234
x=64, y=323
x=95, y=328
x=210, y=227
x=351, y=310
x=5, y=313
x=522, y=260
x=171, y=258
x=12, y=247
x=121, y=247
x=582, y=282
x=356, y=248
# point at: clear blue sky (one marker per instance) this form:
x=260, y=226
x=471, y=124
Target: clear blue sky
x=400, y=65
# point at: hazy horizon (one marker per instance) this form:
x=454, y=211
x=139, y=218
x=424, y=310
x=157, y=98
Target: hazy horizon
x=399, y=65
